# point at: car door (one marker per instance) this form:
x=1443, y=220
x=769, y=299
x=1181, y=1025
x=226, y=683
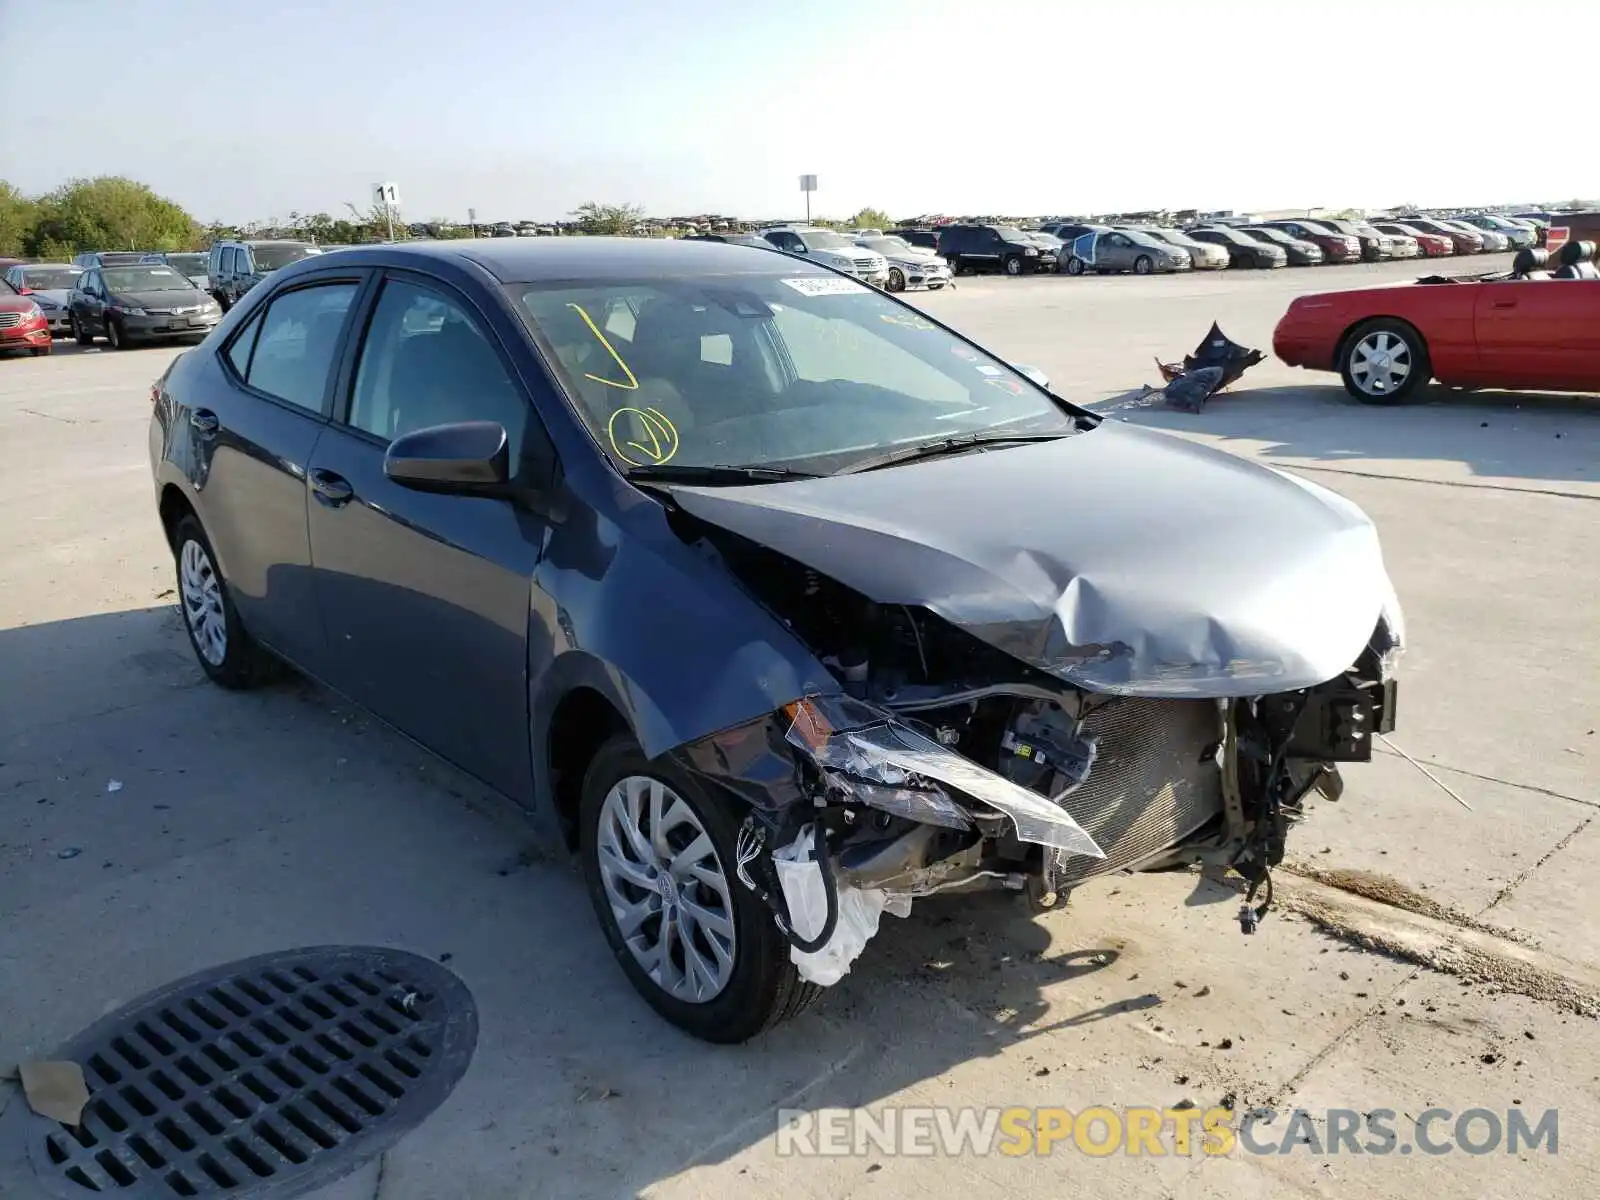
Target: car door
x=89, y=306
x=255, y=427
x=1535, y=333
x=425, y=597
x=1114, y=252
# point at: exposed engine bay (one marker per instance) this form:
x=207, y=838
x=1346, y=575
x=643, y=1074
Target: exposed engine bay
x=942, y=763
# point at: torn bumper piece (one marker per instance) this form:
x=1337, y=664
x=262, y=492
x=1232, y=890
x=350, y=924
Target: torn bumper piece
x=883, y=764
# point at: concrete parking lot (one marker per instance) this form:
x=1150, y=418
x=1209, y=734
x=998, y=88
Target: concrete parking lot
x=1425, y=953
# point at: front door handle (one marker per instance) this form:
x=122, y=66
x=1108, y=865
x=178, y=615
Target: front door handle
x=1504, y=304
x=330, y=489
x=205, y=421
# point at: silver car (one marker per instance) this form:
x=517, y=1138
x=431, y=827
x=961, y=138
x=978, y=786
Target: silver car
x=49, y=285
x=1204, y=256
x=1124, y=250
x=909, y=266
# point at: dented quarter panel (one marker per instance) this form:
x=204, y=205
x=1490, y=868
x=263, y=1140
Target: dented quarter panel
x=1120, y=559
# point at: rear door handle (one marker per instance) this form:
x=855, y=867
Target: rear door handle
x=205, y=421
x=330, y=489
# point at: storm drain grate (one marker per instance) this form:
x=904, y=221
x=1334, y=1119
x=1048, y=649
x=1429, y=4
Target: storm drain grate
x=263, y=1078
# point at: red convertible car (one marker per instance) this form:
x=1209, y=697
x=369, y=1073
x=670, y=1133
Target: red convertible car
x=1528, y=331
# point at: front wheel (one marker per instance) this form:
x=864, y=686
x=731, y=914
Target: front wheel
x=1013, y=265
x=658, y=855
x=955, y=265
x=116, y=335
x=79, y=334
x=897, y=280
x=1383, y=362
x=1074, y=265
x=1143, y=265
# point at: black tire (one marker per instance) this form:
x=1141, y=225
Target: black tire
x=244, y=664
x=1143, y=265
x=78, y=333
x=764, y=988
x=39, y=351
x=1075, y=265
x=897, y=280
x=1013, y=264
x=222, y=300
x=115, y=334
x=955, y=264
x=1411, y=347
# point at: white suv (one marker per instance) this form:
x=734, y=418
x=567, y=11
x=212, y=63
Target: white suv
x=831, y=249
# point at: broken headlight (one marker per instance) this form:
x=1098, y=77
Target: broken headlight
x=869, y=755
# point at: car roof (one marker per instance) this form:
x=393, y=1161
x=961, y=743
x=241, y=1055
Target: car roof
x=537, y=260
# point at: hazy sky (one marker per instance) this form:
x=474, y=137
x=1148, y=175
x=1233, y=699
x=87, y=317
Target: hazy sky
x=526, y=108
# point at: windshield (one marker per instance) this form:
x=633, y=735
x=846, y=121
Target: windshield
x=811, y=373
x=145, y=279
x=1269, y=235
x=42, y=279
x=189, y=264
x=270, y=258
x=824, y=239
x=887, y=245
x=1011, y=233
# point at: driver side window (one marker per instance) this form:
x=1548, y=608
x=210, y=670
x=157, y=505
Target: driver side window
x=427, y=361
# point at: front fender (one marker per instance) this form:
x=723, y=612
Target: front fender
x=658, y=626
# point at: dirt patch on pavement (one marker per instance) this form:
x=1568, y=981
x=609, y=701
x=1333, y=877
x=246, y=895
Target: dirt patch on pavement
x=1443, y=945
x=1383, y=889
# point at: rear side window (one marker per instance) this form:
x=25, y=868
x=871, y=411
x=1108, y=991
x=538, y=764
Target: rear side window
x=295, y=344
x=239, y=349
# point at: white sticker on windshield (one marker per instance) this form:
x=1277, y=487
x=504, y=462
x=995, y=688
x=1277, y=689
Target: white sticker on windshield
x=826, y=285
x=160, y=271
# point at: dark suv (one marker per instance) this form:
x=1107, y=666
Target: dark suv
x=927, y=238
x=993, y=248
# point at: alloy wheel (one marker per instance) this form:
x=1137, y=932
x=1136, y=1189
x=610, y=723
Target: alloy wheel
x=668, y=892
x=1380, y=363
x=202, y=602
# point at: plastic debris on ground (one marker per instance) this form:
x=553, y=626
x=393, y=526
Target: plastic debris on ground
x=1217, y=363
x=806, y=895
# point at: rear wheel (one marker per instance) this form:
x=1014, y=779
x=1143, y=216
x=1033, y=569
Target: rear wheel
x=955, y=264
x=1384, y=361
x=225, y=650
x=658, y=853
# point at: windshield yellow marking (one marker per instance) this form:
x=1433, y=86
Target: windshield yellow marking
x=662, y=435
x=632, y=384
x=908, y=322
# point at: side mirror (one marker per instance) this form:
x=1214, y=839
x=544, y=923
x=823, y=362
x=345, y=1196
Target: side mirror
x=1033, y=373
x=466, y=458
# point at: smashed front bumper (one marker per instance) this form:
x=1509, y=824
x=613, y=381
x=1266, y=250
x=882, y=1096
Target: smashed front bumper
x=856, y=810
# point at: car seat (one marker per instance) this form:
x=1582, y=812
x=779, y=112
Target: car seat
x=1530, y=264
x=1577, y=261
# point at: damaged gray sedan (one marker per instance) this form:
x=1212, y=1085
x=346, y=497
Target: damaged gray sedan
x=782, y=603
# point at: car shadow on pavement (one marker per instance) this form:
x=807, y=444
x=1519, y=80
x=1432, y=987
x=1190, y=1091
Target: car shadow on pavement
x=153, y=825
x=1550, y=437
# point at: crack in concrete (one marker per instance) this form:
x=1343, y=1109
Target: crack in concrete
x=383, y=1167
x=1505, y=892
x=1527, y=787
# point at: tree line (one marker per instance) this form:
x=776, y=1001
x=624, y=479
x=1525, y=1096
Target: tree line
x=114, y=213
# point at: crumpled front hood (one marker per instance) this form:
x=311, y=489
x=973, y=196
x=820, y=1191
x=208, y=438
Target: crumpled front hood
x=1120, y=559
